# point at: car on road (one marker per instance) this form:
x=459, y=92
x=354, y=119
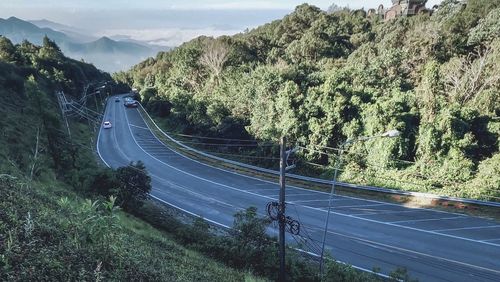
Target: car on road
x=117, y=100
x=129, y=103
x=107, y=125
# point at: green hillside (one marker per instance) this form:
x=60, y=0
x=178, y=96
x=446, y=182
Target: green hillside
x=320, y=78
x=52, y=227
x=51, y=233
x=64, y=217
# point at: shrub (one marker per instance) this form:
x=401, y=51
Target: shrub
x=134, y=185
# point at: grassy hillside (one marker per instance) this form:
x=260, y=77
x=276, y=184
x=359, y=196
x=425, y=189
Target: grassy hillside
x=320, y=78
x=50, y=233
x=51, y=226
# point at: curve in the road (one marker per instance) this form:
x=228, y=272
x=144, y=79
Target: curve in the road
x=433, y=245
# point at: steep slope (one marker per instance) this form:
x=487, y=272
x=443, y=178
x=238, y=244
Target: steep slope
x=49, y=228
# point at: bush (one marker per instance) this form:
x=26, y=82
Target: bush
x=247, y=246
x=130, y=184
x=48, y=233
x=134, y=185
x=104, y=182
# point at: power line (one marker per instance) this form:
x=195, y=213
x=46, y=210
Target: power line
x=386, y=178
x=316, y=247
x=419, y=175
x=225, y=145
x=364, y=155
x=353, y=153
x=243, y=156
x=213, y=138
x=375, y=176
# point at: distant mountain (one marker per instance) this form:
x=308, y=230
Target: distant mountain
x=149, y=44
x=107, y=45
x=105, y=53
x=78, y=35
x=52, y=25
x=17, y=30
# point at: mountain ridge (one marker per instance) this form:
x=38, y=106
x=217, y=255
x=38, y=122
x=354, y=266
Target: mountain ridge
x=106, y=53
x=76, y=34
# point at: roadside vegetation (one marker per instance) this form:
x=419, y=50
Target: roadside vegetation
x=320, y=78
x=247, y=246
x=65, y=217
x=48, y=232
x=58, y=220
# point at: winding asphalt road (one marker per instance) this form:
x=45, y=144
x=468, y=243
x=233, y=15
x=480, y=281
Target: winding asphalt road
x=433, y=245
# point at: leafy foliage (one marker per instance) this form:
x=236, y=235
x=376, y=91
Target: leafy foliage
x=29, y=78
x=321, y=78
x=50, y=233
x=47, y=231
x=129, y=184
x=248, y=247
x=135, y=185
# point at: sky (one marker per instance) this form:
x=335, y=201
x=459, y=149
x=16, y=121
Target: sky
x=185, y=4
x=165, y=22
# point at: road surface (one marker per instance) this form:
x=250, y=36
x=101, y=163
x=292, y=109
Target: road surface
x=433, y=245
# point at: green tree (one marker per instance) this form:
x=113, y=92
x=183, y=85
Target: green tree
x=487, y=29
x=7, y=50
x=134, y=185
x=321, y=78
x=251, y=242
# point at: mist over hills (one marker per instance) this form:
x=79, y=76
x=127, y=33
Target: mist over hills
x=105, y=53
x=77, y=35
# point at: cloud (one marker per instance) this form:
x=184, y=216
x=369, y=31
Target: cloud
x=170, y=37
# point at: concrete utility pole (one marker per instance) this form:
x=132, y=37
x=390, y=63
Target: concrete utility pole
x=281, y=210
x=276, y=210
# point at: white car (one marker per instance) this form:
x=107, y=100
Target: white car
x=106, y=124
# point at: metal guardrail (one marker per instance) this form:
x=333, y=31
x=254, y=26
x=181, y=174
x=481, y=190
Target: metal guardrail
x=324, y=181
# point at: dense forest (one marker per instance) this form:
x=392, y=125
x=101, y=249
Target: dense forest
x=320, y=78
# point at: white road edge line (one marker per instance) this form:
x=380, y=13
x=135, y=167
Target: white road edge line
x=191, y=213
x=99, y=136
x=432, y=219
x=317, y=209
x=220, y=224
x=382, y=212
x=302, y=194
x=297, y=249
x=139, y=127
x=494, y=239
x=358, y=206
x=360, y=268
x=274, y=183
x=415, y=252
x=307, y=201
x=467, y=228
